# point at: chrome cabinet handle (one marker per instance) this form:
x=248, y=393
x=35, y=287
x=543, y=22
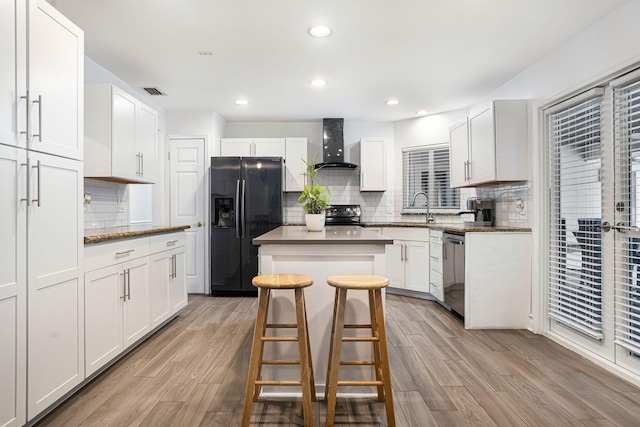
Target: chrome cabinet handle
x=128, y=283
x=465, y=171
x=171, y=242
x=38, y=192
x=141, y=164
x=26, y=120
x=125, y=252
x=124, y=286
x=39, y=134
x=28, y=189
x=175, y=266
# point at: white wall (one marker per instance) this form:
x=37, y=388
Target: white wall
x=205, y=123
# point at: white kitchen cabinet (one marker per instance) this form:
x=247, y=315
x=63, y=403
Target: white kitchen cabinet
x=55, y=279
x=292, y=150
x=9, y=100
x=13, y=285
x=120, y=136
x=295, y=158
x=373, y=164
x=436, y=287
x=168, y=292
x=407, y=260
x=497, y=149
x=459, y=154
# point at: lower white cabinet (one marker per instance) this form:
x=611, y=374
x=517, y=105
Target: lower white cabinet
x=436, y=287
x=133, y=286
x=408, y=258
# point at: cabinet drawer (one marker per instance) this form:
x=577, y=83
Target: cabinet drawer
x=164, y=242
x=435, y=236
x=406, y=233
x=435, y=262
x=99, y=255
x=437, y=291
x=435, y=278
x=435, y=250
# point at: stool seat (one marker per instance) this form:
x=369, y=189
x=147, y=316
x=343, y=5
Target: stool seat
x=357, y=281
x=282, y=281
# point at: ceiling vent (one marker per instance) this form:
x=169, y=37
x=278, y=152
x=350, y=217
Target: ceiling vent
x=154, y=91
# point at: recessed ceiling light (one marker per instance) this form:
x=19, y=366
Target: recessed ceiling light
x=392, y=102
x=320, y=31
x=205, y=53
x=241, y=102
x=318, y=82
x=421, y=112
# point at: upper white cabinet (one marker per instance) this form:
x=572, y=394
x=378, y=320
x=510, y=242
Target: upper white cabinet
x=373, y=164
x=496, y=145
x=42, y=73
x=120, y=136
x=292, y=150
x=295, y=158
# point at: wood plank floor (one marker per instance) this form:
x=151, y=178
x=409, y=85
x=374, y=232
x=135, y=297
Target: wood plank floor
x=192, y=373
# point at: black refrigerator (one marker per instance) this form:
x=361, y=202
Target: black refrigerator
x=246, y=201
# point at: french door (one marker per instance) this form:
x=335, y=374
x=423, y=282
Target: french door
x=593, y=291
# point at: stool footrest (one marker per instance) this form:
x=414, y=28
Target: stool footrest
x=282, y=325
x=358, y=339
x=357, y=362
x=360, y=383
x=279, y=338
x=278, y=383
x=356, y=326
x=280, y=362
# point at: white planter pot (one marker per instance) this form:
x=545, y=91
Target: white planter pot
x=315, y=222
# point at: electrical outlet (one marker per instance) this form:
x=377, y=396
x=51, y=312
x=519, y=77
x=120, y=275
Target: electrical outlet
x=389, y=208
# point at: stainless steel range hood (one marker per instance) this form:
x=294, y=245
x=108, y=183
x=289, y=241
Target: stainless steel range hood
x=333, y=145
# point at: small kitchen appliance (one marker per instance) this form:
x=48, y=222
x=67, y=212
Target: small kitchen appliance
x=483, y=209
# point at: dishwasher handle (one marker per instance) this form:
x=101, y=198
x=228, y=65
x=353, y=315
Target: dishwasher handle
x=453, y=240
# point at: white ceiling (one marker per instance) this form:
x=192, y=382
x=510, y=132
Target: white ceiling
x=436, y=55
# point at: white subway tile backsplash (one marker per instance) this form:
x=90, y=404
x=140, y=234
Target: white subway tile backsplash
x=109, y=205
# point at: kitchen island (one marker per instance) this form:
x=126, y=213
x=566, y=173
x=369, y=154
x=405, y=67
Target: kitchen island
x=336, y=250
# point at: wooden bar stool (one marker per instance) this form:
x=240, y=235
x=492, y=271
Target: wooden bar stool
x=265, y=284
x=372, y=284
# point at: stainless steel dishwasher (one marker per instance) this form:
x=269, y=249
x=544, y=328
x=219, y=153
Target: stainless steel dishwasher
x=453, y=271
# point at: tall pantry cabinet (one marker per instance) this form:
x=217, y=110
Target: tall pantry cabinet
x=41, y=277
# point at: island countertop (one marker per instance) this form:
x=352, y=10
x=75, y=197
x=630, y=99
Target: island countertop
x=333, y=234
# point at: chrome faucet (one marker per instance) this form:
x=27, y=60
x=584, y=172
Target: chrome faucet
x=426, y=196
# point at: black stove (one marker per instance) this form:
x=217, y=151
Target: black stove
x=343, y=215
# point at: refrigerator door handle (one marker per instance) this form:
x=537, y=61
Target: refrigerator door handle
x=237, y=209
x=242, y=208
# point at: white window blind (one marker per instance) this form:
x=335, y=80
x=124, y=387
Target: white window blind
x=627, y=251
x=427, y=169
x=575, y=252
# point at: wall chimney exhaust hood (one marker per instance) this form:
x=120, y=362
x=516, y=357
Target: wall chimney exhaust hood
x=333, y=145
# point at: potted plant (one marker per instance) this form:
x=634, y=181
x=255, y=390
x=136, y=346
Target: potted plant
x=314, y=198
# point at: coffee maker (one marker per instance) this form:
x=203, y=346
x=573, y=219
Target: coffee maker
x=483, y=209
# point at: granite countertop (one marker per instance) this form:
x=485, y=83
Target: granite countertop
x=456, y=228
x=336, y=234
x=114, y=233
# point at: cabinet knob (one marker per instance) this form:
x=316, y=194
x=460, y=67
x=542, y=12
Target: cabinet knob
x=198, y=224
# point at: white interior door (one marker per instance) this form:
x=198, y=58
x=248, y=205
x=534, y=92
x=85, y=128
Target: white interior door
x=187, y=204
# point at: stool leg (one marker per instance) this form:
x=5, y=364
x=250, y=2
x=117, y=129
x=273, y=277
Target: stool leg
x=256, y=350
x=376, y=345
x=334, y=356
x=333, y=331
x=303, y=347
x=391, y=421
x=263, y=333
x=306, y=325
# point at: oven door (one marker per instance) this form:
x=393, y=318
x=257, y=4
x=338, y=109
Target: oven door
x=453, y=271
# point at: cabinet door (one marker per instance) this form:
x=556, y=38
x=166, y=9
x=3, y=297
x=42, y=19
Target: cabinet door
x=178, y=290
x=459, y=154
x=55, y=79
x=394, y=256
x=269, y=147
x=482, y=147
x=55, y=284
x=160, y=272
x=13, y=286
x=295, y=167
x=146, y=142
x=236, y=147
x=417, y=266
x=135, y=308
x=124, y=158
x=9, y=97
x=104, y=294
x=373, y=164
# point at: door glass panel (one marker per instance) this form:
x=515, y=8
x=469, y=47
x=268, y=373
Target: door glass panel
x=575, y=253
